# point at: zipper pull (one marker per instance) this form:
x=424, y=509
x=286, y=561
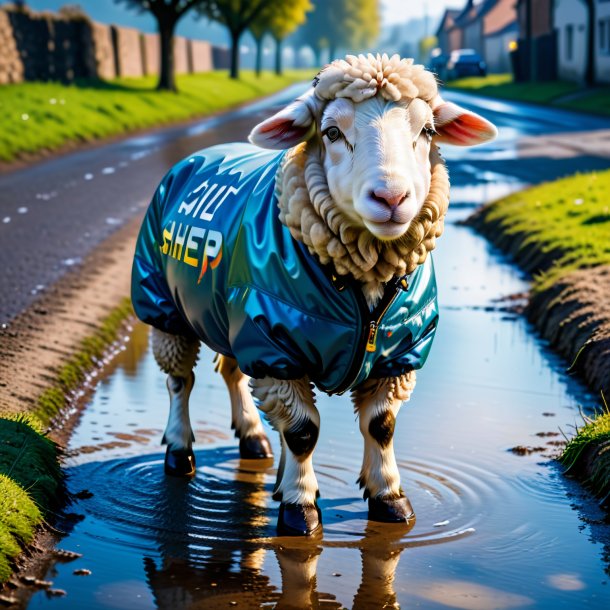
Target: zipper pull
x=371, y=344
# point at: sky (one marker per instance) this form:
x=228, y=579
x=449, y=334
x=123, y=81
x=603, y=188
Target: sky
x=393, y=11
x=399, y=11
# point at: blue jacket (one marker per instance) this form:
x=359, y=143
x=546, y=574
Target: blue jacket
x=213, y=261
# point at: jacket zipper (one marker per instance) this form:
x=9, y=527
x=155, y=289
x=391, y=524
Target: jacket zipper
x=368, y=341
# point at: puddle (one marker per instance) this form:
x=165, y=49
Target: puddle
x=494, y=529
x=498, y=526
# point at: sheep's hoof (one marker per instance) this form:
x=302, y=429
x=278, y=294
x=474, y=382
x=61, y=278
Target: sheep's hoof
x=390, y=510
x=298, y=519
x=255, y=448
x=180, y=462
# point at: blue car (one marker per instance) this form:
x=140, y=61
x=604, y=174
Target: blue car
x=465, y=62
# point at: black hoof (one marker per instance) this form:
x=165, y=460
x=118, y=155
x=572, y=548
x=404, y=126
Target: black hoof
x=391, y=510
x=180, y=462
x=298, y=520
x=255, y=448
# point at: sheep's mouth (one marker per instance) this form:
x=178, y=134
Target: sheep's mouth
x=387, y=231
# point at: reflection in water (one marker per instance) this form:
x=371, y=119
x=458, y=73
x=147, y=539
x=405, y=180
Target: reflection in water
x=380, y=556
x=470, y=596
x=207, y=541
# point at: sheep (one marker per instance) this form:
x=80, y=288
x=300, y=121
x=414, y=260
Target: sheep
x=308, y=267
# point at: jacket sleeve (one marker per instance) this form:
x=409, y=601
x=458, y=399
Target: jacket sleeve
x=151, y=297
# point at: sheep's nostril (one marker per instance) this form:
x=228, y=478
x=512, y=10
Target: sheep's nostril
x=389, y=198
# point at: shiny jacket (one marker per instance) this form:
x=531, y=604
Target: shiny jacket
x=213, y=261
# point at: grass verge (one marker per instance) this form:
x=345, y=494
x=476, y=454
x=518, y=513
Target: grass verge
x=587, y=455
x=559, y=231
x=31, y=481
x=46, y=116
x=73, y=373
x=549, y=93
x=555, y=228
x=31, y=484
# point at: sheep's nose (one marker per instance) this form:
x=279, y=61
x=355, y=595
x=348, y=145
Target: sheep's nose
x=391, y=198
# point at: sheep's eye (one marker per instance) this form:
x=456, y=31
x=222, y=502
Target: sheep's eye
x=429, y=132
x=333, y=133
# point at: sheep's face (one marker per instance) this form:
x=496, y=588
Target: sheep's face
x=376, y=156
x=375, y=152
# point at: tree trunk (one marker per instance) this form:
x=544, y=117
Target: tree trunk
x=590, y=58
x=235, y=36
x=332, y=50
x=167, y=77
x=278, y=56
x=259, y=55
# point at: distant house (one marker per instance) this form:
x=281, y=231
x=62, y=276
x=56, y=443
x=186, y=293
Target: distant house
x=448, y=36
x=536, y=55
x=469, y=22
x=570, y=21
x=500, y=29
x=487, y=26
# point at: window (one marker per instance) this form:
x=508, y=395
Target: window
x=569, y=42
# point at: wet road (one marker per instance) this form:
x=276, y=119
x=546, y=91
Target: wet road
x=53, y=214
x=494, y=529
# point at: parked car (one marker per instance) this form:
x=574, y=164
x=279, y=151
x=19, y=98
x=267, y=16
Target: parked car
x=465, y=62
x=438, y=63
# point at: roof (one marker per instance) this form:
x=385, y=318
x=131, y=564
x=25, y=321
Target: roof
x=447, y=20
x=467, y=14
x=498, y=15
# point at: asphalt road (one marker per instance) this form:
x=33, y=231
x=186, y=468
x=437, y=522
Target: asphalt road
x=54, y=213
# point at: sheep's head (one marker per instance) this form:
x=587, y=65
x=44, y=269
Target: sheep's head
x=376, y=120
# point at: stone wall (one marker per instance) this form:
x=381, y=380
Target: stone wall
x=221, y=58
x=181, y=55
x=68, y=45
x=200, y=55
x=101, y=52
x=49, y=46
x=151, y=53
x=127, y=52
x=11, y=66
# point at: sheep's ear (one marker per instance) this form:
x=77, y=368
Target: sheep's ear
x=455, y=125
x=287, y=128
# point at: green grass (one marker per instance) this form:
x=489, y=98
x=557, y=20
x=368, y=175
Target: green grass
x=502, y=86
x=73, y=373
x=590, y=438
x=47, y=116
x=19, y=517
x=31, y=481
x=31, y=484
x=569, y=217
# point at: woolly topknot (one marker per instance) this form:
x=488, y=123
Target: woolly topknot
x=363, y=76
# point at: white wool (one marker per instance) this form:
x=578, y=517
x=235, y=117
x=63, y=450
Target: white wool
x=308, y=210
x=363, y=76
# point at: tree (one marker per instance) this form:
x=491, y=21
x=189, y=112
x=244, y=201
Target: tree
x=356, y=24
x=286, y=17
x=259, y=28
x=167, y=13
x=317, y=30
x=237, y=16
x=334, y=24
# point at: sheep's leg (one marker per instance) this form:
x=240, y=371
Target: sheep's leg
x=377, y=402
x=253, y=443
x=289, y=406
x=176, y=356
